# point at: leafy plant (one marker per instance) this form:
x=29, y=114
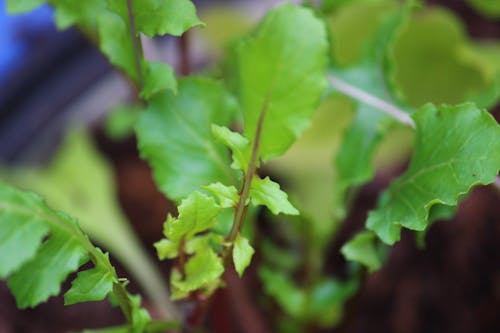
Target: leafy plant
x=270, y=85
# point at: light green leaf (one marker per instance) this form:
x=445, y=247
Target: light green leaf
x=362, y=249
x=157, y=77
x=196, y=214
x=242, y=254
x=227, y=195
x=90, y=285
x=159, y=17
x=120, y=122
x=456, y=148
x=167, y=249
x=22, y=6
x=488, y=8
x=238, y=144
x=201, y=269
x=268, y=193
x=175, y=137
x=83, y=13
x=115, y=42
x=281, y=74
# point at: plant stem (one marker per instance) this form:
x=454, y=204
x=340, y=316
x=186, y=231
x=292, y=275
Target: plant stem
x=136, y=41
x=184, y=63
x=371, y=100
x=242, y=207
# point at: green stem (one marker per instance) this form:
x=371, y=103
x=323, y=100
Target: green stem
x=242, y=207
x=136, y=41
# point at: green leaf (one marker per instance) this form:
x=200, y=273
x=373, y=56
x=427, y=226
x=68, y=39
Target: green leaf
x=456, y=148
x=268, y=193
x=57, y=248
x=238, y=144
x=362, y=249
x=242, y=254
x=175, y=137
x=354, y=160
x=201, y=269
x=159, y=17
x=157, y=77
x=90, y=285
x=488, y=8
x=227, y=195
x=22, y=6
x=196, y=214
x=281, y=74
x=289, y=296
x=120, y=122
x=83, y=13
x=116, y=44
x=167, y=249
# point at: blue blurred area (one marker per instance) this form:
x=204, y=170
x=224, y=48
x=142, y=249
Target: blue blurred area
x=18, y=35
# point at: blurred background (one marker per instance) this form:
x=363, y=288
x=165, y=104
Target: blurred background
x=53, y=80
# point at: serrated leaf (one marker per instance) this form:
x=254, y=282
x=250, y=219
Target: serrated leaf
x=354, y=160
x=362, y=249
x=242, y=254
x=238, y=144
x=90, y=285
x=22, y=6
x=196, y=214
x=281, y=73
x=226, y=195
x=175, y=137
x=60, y=246
x=167, y=249
x=268, y=193
x=200, y=270
x=157, y=77
x=456, y=148
x=159, y=17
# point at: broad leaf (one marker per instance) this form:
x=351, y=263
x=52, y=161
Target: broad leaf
x=175, y=137
x=281, y=74
x=455, y=148
x=242, y=254
x=90, y=285
x=159, y=17
x=268, y=193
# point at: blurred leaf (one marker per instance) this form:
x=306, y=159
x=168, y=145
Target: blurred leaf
x=242, y=254
x=22, y=6
x=120, y=121
x=362, y=249
x=157, y=78
x=488, y=8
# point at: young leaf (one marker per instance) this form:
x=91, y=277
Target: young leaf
x=456, y=148
x=90, y=285
x=281, y=72
x=201, y=269
x=196, y=214
x=268, y=193
x=362, y=249
x=227, y=195
x=159, y=17
x=238, y=144
x=242, y=254
x=174, y=135
x=167, y=249
x=157, y=77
